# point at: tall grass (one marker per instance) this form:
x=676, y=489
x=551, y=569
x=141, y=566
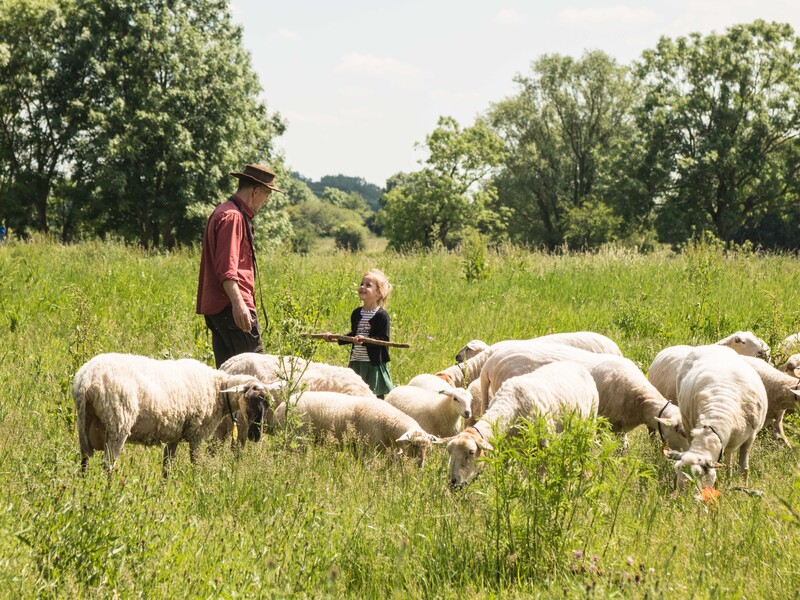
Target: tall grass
x=574, y=518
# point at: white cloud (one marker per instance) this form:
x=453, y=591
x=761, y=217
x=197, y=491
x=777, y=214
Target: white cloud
x=608, y=15
x=387, y=68
x=509, y=16
x=288, y=34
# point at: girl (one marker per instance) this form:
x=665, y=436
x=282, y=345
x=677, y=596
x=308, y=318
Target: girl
x=371, y=320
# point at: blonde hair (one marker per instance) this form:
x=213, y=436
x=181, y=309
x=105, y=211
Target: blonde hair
x=382, y=282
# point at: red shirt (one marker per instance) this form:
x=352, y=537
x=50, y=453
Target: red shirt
x=226, y=254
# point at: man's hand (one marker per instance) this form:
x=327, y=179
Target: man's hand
x=241, y=314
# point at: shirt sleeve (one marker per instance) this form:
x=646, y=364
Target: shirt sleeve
x=230, y=233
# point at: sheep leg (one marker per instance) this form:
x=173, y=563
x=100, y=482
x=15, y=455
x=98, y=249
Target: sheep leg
x=777, y=429
x=169, y=458
x=744, y=460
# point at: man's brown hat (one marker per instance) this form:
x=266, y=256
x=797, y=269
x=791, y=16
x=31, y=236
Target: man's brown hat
x=259, y=175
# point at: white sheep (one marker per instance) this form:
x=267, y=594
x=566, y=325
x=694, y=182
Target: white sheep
x=437, y=413
x=584, y=340
x=123, y=398
x=723, y=403
x=791, y=366
x=427, y=381
x=627, y=399
x=550, y=391
x=782, y=394
x=302, y=375
x=790, y=345
x=664, y=368
x=470, y=349
x=374, y=422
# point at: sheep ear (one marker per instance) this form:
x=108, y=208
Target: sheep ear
x=484, y=445
x=235, y=389
x=718, y=465
x=796, y=392
x=446, y=392
x=664, y=422
x=672, y=454
x=440, y=441
x=406, y=437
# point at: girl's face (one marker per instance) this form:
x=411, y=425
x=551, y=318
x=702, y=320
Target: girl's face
x=368, y=292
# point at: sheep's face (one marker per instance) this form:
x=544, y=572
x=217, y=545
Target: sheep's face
x=695, y=470
x=462, y=399
x=473, y=348
x=464, y=449
x=256, y=405
x=672, y=430
x=747, y=343
x=415, y=443
x=792, y=366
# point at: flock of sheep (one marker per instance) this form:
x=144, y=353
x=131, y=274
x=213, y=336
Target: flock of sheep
x=704, y=402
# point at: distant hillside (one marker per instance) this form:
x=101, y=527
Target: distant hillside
x=369, y=191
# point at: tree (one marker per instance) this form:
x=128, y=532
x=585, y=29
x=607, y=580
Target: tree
x=561, y=132
x=434, y=204
x=721, y=115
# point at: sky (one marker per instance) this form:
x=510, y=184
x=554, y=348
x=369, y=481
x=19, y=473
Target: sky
x=361, y=83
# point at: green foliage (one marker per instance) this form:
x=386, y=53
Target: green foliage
x=720, y=116
x=349, y=236
x=591, y=225
x=320, y=217
x=475, y=259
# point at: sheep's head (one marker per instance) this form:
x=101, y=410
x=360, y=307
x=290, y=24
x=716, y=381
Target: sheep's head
x=415, y=443
x=473, y=348
x=746, y=343
x=461, y=398
x=792, y=366
x=465, y=449
x=695, y=469
x=254, y=399
x=670, y=426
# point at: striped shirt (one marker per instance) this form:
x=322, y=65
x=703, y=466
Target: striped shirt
x=359, y=353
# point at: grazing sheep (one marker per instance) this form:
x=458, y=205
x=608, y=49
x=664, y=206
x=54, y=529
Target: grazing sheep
x=304, y=375
x=782, y=394
x=627, y=399
x=584, y=340
x=723, y=403
x=373, y=421
x=123, y=398
x=551, y=391
x=790, y=345
x=436, y=412
x=664, y=368
x=791, y=366
x=472, y=348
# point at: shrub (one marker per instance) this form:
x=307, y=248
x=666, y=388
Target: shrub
x=350, y=236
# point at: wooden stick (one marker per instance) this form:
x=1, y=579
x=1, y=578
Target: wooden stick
x=364, y=340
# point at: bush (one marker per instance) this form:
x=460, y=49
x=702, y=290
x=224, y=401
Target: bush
x=350, y=236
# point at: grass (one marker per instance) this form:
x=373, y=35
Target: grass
x=290, y=518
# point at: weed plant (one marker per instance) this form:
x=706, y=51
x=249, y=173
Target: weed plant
x=575, y=517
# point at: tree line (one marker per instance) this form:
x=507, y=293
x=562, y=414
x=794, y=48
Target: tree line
x=123, y=117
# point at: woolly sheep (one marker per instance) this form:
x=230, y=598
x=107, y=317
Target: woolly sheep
x=304, y=375
x=427, y=381
x=373, y=421
x=782, y=394
x=791, y=366
x=436, y=412
x=585, y=340
x=627, y=399
x=790, y=345
x=723, y=403
x=472, y=348
x=123, y=398
x=550, y=391
x=664, y=368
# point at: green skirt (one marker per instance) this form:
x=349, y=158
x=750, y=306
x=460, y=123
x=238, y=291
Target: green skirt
x=377, y=378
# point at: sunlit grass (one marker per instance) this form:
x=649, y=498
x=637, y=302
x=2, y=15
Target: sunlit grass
x=313, y=520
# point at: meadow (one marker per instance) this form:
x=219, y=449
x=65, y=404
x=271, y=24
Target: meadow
x=288, y=518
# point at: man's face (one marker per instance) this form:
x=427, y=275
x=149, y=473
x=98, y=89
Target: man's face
x=260, y=196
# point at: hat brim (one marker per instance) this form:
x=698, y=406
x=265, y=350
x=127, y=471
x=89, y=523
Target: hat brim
x=257, y=182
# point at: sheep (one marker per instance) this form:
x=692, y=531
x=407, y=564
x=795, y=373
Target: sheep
x=550, y=391
x=373, y=421
x=472, y=348
x=307, y=375
x=585, y=340
x=790, y=345
x=430, y=382
x=123, y=398
x=782, y=394
x=627, y=399
x=436, y=412
x=791, y=366
x=723, y=403
x=664, y=368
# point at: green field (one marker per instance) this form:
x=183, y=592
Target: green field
x=289, y=518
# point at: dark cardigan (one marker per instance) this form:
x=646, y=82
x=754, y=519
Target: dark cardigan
x=378, y=329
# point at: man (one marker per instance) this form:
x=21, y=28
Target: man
x=225, y=290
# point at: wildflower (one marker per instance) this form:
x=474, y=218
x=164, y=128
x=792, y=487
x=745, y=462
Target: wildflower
x=630, y=561
x=578, y=553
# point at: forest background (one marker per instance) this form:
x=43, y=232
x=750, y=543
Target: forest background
x=122, y=120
